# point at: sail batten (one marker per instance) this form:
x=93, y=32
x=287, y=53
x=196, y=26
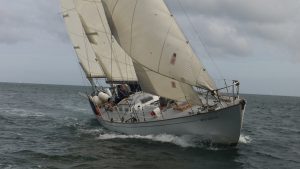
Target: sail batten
x=84, y=51
x=116, y=64
x=93, y=29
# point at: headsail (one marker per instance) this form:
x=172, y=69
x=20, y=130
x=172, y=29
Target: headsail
x=116, y=64
x=82, y=46
x=149, y=34
x=155, y=83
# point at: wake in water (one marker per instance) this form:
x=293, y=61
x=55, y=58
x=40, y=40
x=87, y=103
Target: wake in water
x=182, y=141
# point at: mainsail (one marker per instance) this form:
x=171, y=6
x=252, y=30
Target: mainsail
x=114, y=61
x=81, y=45
x=162, y=56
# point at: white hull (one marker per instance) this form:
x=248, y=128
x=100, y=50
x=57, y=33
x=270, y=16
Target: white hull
x=221, y=126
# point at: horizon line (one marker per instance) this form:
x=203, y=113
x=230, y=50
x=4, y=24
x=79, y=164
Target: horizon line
x=78, y=85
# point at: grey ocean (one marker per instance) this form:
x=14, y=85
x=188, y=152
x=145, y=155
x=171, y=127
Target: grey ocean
x=47, y=126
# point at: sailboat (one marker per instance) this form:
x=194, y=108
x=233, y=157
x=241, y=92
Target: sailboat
x=154, y=81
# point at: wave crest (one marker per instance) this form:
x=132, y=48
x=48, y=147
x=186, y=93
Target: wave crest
x=245, y=139
x=183, y=141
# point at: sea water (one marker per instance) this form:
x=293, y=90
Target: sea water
x=48, y=126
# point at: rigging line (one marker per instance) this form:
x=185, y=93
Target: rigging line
x=79, y=62
x=87, y=55
x=114, y=7
x=149, y=69
x=127, y=77
x=111, y=55
x=108, y=33
x=62, y=19
x=85, y=42
x=163, y=47
x=190, y=52
x=131, y=28
x=102, y=22
x=199, y=38
x=187, y=43
x=114, y=53
x=136, y=2
x=91, y=0
x=144, y=65
x=82, y=77
x=108, y=58
x=111, y=39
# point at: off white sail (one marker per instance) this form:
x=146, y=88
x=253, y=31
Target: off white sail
x=81, y=44
x=114, y=61
x=164, y=60
x=149, y=34
x=155, y=83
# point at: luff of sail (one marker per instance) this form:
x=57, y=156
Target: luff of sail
x=149, y=34
x=81, y=45
x=114, y=61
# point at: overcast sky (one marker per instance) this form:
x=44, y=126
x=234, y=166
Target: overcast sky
x=256, y=42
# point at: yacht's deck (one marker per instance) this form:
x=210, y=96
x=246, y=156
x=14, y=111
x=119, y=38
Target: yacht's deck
x=143, y=107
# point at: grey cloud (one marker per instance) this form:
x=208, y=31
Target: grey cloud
x=30, y=20
x=222, y=39
x=233, y=27
x=226, y=27
x=247, y=11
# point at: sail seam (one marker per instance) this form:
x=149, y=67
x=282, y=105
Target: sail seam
x=106, y=32
x=115, y=59
x=203, y=44
x=163, y=47
x=80, y=42
x=113, y=10
x=84, y=39
x=132, y=20
x=137, y=62
x=113, y=52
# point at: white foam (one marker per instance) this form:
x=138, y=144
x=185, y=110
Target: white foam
x=76, y=109
x=245, y=139
x=8, y=167
x=183, y=141
x=33, y=114
x=91, y=131
x=67, y=118
x=24, y=113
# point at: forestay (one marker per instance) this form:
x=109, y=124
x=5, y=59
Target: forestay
x=149, y=34
x=81, y=44
x=114, y=61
